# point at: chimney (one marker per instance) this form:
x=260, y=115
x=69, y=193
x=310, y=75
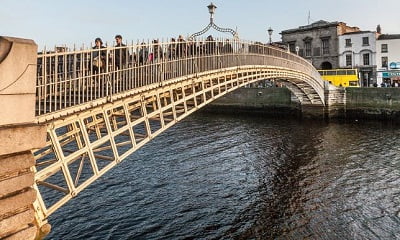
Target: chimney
x=378, y=29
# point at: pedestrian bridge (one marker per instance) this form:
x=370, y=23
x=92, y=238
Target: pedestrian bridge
x=98, y=112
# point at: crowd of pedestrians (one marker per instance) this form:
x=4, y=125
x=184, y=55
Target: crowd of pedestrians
x=102, y=59
x=121, y=55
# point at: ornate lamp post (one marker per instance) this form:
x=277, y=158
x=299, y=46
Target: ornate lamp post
x=211, y=10
x=297, y=50
x=270, y=34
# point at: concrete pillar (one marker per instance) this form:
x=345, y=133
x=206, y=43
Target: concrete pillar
x=18, y=136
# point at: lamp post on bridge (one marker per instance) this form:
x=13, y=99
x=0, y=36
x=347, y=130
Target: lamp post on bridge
x=270, y=35
x=211, y=10
x=297, y=50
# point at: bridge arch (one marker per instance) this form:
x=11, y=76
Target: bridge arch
x=92, y=127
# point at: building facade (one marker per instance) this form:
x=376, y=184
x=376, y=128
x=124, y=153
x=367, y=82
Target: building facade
x=388, y=60
x=317, y=42
x=358, y=50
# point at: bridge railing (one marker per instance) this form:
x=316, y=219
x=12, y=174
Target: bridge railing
x=69, y=78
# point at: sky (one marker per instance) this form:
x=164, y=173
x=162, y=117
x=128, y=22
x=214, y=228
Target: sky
x=75, y=22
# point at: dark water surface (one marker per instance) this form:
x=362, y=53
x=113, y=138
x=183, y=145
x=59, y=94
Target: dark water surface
x=226, y=177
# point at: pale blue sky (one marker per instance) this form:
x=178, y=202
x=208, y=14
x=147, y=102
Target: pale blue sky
x=58, y=22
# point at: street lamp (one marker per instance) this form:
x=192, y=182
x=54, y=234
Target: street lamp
x=270, y=34
x=211, y=10
x=297, y=50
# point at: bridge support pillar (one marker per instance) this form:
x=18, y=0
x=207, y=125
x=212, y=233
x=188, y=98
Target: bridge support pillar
x=335, y=99
x=18, y=136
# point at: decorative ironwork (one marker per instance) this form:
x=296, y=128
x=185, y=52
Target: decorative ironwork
x=211, y=9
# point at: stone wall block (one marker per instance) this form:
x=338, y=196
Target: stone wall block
x=14, y=204
x=16, y=223
x=10, y=164
x=15, y=184
x=18, y=67
x=21, y=138
x=26, y=234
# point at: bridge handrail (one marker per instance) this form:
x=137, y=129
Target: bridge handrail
x=69, y=78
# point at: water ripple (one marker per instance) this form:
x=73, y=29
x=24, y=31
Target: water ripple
x=220, y=177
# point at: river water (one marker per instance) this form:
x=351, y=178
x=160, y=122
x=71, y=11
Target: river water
x=229, y=177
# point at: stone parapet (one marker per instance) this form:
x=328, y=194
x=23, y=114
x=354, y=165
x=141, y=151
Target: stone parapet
x=18, y=65
x=19, y=135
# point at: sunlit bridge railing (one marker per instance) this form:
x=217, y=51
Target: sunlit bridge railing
x=69, y=78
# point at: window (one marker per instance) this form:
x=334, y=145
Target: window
x=366, y=58
x=308, y=49
x=365, y=41
x=292, y=47
x=349, y=61
x=384, y=48
x=317, y=51
x=348, y=42
x=325, y=46
x=301, y=52
x=384, y=62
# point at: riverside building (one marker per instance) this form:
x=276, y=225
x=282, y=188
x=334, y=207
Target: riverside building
x=317, y=42
x=388, y=60
x=358, y=50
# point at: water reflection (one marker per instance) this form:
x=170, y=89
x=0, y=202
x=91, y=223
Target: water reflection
x=224, y=177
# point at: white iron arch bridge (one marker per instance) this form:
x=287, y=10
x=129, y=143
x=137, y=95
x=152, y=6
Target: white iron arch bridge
x=101, y=105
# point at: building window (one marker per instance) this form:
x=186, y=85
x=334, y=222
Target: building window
x=384, y=62
x=292, y=47
x=349, y=61
x=348, y=42
x=308, y=48
x=301, y=52
x=365, y=41
x=317, y=51
x=384, y=48
x=325, y=46
x=366, y=58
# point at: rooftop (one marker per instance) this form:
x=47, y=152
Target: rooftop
x=317, y=24
x=360, y=32
x=389, y=36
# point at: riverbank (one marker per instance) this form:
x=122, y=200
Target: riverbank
x=359, y=103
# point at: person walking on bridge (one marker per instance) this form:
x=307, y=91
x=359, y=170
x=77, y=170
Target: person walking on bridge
x=98, y=56
x=121, y=53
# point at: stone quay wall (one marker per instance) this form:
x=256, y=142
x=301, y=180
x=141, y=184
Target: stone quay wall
x=342, y=103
